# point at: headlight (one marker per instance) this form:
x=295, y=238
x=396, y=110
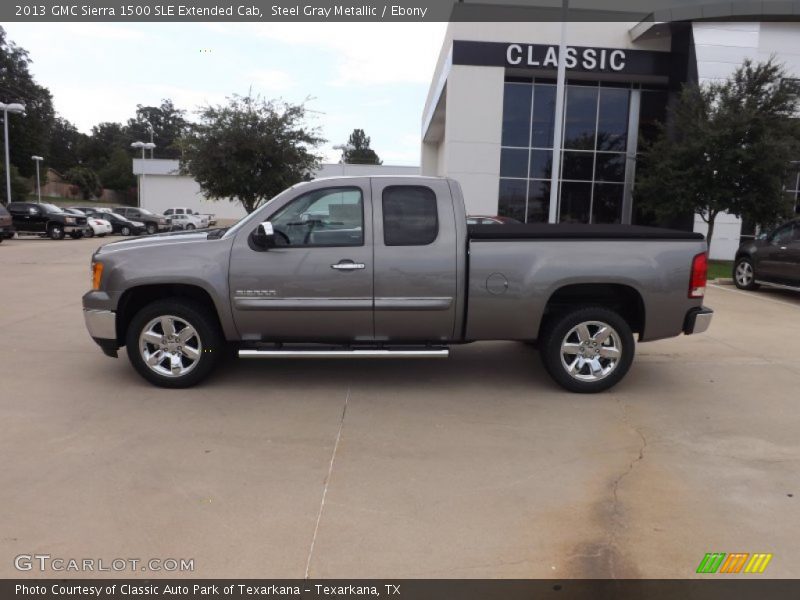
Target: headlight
x=70, y=220
x=97, y=275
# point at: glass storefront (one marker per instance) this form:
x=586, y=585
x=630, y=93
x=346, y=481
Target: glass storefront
x=592, y=185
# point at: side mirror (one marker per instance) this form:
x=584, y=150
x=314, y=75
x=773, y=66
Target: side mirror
x=264, y=236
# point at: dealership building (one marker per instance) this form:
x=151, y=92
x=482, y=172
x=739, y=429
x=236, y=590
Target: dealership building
x=489, y=120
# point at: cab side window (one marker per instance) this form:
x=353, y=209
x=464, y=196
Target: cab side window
x=785, y=234
x=326, y=217
x=409, y=216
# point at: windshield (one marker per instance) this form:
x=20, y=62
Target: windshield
x=51, y=208
x=144, y=211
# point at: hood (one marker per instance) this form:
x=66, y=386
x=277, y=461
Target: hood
x=152, y=241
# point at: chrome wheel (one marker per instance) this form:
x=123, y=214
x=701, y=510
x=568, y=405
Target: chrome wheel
x=170, y=346
x=744, y=274
x=591, y=351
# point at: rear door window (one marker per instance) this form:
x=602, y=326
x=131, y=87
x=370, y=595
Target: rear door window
x=409, y=216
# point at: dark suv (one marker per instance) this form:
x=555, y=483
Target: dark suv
x=153, y=223
x=6, y=228
x=773, y=259
x=46, y=219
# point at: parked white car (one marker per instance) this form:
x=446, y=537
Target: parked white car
x=186, y=222
x=97, y=226
x=206, y=219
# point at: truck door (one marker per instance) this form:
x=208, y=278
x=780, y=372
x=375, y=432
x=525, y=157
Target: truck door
x=415, y=260
x=315, y=285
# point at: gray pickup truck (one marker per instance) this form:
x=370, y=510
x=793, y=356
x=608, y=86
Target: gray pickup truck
x=383, y=267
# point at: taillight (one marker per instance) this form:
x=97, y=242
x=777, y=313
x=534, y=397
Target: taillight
x=97, y=275
x=697, y=283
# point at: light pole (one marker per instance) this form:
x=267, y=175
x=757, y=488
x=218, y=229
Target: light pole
x=144, y=146
x=38, y=159
x=14, y=108
x=344, y=148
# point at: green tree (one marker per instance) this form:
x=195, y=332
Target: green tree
x=65, y=142
x=20, y=187
x=360, y=152
x=94, y=150
x=86, y=180
x=29, y=133
x=168, y=124
x=728, y=148
x=117, y=174
x=250, y=149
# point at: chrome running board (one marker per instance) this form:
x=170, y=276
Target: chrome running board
x=378, y=353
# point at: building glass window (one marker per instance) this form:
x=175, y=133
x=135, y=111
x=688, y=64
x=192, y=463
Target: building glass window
x=527, y=150
x=593, y=163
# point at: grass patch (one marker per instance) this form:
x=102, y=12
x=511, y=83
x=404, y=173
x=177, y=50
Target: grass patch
x=720, y=269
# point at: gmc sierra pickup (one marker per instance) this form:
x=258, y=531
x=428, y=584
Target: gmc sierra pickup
x=382, y=267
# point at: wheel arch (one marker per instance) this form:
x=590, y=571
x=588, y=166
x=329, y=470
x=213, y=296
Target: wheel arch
x=133, y=299
x=623, y=299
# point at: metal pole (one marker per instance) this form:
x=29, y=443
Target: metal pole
x=8, y=162
x=141, y=181
x=555, y=174
x=38, y=183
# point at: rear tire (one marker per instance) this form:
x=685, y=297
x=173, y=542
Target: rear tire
x=89, y=232
x=151, y=229
x=159, y=352
x=190, y=227
x=744, y=275
x=587, y=350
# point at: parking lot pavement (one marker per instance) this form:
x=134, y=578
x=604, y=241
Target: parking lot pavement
x=478, y=466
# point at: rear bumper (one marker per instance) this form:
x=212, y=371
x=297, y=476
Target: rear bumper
x=697, y=320
x=6, y=232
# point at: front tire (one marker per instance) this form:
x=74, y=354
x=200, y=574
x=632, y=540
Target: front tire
x=174, y=343
x=744, y=275
x=587, y=350
x=56, y=232
x=76, y=235
x=126, y=231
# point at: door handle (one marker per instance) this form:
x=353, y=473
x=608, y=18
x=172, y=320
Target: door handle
x=348, y=265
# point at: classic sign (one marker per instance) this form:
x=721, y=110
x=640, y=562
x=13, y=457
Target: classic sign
x=590, y=59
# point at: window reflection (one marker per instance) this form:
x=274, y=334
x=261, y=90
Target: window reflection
x=593, y=164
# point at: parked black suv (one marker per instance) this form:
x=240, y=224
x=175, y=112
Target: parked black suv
x=153, y=223
x=6, y=228
x=773, y=259
x=46, y=219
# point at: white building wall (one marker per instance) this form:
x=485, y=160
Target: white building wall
x=471, y=148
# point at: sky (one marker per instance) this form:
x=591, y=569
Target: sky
x=372, y=76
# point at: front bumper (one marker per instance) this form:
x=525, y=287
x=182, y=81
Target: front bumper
x=102, y=326
x=75, y=228
x=697, y=320
x=101, y=323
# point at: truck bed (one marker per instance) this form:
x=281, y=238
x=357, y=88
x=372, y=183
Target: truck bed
x=542, y=231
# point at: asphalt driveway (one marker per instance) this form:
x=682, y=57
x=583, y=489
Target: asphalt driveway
x=478, y=466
